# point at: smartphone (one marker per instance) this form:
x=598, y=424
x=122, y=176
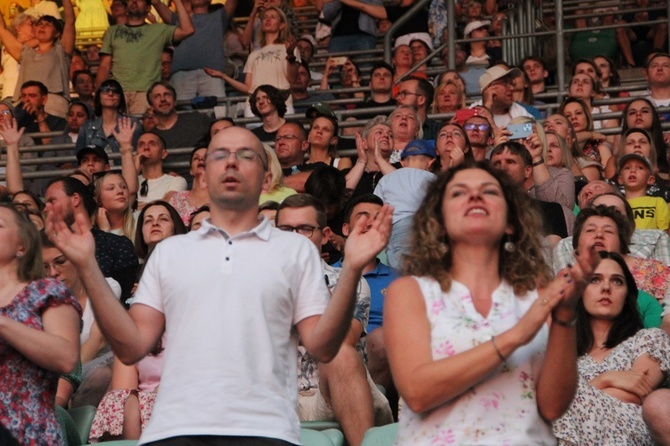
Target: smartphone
x=520, y=131
x=340, y=60
x=464, y=115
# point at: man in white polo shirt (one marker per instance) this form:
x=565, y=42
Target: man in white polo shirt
x=154, y=182
x=232, y=298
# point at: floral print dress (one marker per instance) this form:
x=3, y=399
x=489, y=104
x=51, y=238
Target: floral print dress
x=28, y=391
x=500, y=410
x=597, y=418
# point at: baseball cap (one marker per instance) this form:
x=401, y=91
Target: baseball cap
x=475, y=24
x=496, y=72
x=411, y=37
x=309, y=38
x=634, y=156
x=419, y=147
x=96, y=150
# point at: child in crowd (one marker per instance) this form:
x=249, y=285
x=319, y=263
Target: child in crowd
x=635, y=174
x=404, y=189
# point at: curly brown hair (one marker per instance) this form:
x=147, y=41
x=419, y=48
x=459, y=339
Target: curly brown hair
x=525, y=268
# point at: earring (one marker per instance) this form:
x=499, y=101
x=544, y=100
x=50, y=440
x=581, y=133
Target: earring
x=509, y=245
x=19, y=254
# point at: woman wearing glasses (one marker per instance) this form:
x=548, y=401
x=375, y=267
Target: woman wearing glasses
x=49, y=61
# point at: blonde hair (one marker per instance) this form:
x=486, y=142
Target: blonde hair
x=461, y=95
x=283, y=33
x=429, y=255
x=275, y=169
x=128, y=227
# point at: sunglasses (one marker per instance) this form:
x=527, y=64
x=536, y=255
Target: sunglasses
x=109, y=89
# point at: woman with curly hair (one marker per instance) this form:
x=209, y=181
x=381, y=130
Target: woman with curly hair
x=466, y=331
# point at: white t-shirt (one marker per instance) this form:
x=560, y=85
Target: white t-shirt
x=230, y=306
x=159, y=187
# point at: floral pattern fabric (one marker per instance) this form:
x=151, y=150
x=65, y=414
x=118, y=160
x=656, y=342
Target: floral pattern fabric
x=109, y=416
x=651, y=276
x=596, y=418
x=502, y=408
x=28, y=391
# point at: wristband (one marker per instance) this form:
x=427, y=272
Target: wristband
x=538, y=163
x=500, y=355
x=567, y=324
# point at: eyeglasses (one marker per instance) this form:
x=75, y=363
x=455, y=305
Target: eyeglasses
x=305, y=230
x=285, y=138
x=109, y=89
x=58, y=264
x=144, y=188
x=244, y=155
x=480, y=127
x=404, y=93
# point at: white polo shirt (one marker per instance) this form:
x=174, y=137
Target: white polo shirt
x=230, y=305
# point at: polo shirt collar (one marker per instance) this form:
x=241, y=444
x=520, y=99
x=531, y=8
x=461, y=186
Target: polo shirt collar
x=262, y=230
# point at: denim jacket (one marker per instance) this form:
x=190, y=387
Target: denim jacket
x=92, y=133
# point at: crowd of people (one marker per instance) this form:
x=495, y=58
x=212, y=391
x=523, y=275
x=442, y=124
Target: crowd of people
x=478, y=268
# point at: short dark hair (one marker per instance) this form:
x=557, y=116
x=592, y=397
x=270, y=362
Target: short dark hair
x=141, y=246
x=514, y=148
x=164, y=84
x=382, y=65
x=327, y=184
x=424, y=87
x=161, y=141
x=73, y=186
x=534, y=59
x=78, y=73
x=303, y=201
x=355, y=201
x=275, y=96
x=43, y=88
x=624, y=230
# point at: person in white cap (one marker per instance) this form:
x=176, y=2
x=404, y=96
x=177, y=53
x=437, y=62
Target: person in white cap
x=496, y=87
x=478, y=55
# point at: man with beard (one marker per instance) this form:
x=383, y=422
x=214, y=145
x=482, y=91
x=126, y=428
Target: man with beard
x=113, y=253
x=419, y=93
x=177, y=130
x=132, y=52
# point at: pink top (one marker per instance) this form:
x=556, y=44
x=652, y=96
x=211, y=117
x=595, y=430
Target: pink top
x=149, y=372
x=179, y=201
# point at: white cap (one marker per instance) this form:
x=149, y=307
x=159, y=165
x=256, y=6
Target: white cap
x=476, y=24
x=494, y=73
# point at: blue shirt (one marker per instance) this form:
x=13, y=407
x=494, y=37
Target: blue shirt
x=379, y=280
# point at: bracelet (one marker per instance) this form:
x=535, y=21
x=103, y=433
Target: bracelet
x=567, y=324
x=537, y=163
x=500, y=355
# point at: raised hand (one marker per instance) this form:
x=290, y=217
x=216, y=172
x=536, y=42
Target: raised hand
x=10, y=131
x=368, y=237
x=126, y=130
x=76, y=241
x=361, y=149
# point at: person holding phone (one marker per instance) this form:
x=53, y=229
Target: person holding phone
x=497, y=87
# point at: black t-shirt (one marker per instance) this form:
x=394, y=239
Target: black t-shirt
x=263, y=135
x=418, y=24
x=348, y=24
